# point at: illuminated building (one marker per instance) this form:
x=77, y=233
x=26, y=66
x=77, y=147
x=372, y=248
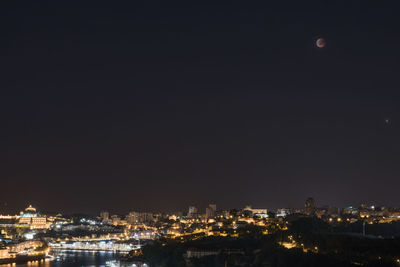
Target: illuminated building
x=256, y=212
x=139, y=217
x=104, y=216
x=350, y=210
x=192, y=212
x=4, y=253
x=24, y=246
x=115, y=220
x=31, y=218
x=282, y=212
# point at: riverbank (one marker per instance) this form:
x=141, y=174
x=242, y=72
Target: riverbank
x=23, y=259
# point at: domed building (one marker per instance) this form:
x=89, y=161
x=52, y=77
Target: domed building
x=32, y=218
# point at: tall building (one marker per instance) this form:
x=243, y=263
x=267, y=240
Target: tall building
x=213, y=207
x=104, y=216
x=309, y=208
x=192, y=212
x=139, y=217
x=211, y=211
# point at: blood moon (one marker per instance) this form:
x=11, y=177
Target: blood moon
x=321, y=42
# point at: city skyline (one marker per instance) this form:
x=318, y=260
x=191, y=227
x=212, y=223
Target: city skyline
x=34, y=237
x=149, y=106
x=208, y=210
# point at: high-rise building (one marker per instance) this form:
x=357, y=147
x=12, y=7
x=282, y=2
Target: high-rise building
x=213, y=207
x=139, y=217
x=104, y=216
x=309, y=206
x=211, y=211
x=132, y=218
x=192, y=212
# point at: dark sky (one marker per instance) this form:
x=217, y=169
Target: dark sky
x=154, y=105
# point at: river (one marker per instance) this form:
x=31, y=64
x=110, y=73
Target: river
x=81, y=258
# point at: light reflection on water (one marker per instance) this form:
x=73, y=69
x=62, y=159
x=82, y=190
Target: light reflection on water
x=80, y=258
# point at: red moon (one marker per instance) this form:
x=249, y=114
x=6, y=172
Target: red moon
x=321, y=43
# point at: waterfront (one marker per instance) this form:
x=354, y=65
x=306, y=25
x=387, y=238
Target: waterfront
x=80, y=258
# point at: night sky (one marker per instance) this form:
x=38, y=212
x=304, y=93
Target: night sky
x=150, y=105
